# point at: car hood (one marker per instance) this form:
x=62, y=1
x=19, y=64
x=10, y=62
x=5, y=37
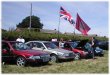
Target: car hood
x=61, y=50
x=79, y=50
x=32, y=52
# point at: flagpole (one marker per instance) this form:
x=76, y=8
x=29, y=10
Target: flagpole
x=59, y=28
x=74, y=29
x=30, y=18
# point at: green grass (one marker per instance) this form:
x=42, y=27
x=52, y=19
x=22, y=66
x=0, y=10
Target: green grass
x=98, y=65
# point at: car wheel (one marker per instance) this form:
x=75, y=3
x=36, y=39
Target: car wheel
x=77, y=56
x=46, y=63
x=21, y=61
x=54, y=58
x=101, y=55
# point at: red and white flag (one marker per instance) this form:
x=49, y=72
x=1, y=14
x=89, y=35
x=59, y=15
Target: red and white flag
x=81, y=26
x=66, y=15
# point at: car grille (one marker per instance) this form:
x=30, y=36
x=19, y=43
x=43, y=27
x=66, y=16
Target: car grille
x=71, y=54
x=45, y=58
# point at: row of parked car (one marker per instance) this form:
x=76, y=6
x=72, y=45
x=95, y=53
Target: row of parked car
x=45, y=51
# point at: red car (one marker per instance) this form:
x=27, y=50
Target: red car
x=79, y=49
x=22, y=54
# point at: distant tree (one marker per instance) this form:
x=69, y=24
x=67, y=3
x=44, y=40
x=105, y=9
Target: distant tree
x=3, y=30
x=35, y=22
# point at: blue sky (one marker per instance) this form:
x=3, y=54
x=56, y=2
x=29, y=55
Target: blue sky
x=95, y=14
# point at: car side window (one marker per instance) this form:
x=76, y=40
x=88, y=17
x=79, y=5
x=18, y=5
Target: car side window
x=37, y=44
x=5, y=46
x=30, y=44
x=66, y=45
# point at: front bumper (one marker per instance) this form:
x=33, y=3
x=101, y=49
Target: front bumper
x=84, y=54
x=65, y=58
x=71, y=56
x=37, y=60
x=41, y=60
x=99, y=53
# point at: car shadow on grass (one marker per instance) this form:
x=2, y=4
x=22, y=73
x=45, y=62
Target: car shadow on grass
x=62, y=61
x=39, y=64
x=28, y=64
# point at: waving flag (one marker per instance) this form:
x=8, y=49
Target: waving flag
x=81, y=26
x=64, y=14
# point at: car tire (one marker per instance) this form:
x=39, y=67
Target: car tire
x=77, y=56
x=20, y=61
x=46, y=63
x=54, y=58
x=101, y=55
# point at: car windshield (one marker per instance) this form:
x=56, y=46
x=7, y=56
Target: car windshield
x=74, y=44
x=88, y=46
x=20, y=46
x=50, y=45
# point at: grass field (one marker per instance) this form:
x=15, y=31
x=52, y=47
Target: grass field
x=98, y=65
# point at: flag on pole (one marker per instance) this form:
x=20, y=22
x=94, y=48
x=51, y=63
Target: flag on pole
x=81, y=25
x=66, y=15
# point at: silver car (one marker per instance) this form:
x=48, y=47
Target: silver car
x=55, y=52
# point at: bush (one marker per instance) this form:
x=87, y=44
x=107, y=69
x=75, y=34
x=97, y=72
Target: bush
x=33, y=35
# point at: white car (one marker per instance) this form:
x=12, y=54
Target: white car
x=55, y=52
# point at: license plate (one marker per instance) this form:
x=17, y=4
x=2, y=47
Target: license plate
x=45, y=59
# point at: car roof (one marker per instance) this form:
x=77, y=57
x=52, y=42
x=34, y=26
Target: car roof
x=38, y=41
x=82, y=43
x=9, y=41
x=72, y=41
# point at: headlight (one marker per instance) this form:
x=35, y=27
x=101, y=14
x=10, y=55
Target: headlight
x=47, y=55
x=97, y=51
x=34, y=57
x=66, y=54
x=59, y=53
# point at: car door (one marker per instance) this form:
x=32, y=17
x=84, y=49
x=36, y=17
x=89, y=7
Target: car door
x=38, y=46
x=6, y=53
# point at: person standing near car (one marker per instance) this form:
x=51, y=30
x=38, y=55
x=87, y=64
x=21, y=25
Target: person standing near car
x=93, y=44
x=61, y=43
x=20, y=39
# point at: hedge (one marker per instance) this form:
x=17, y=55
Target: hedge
x=33, y=35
